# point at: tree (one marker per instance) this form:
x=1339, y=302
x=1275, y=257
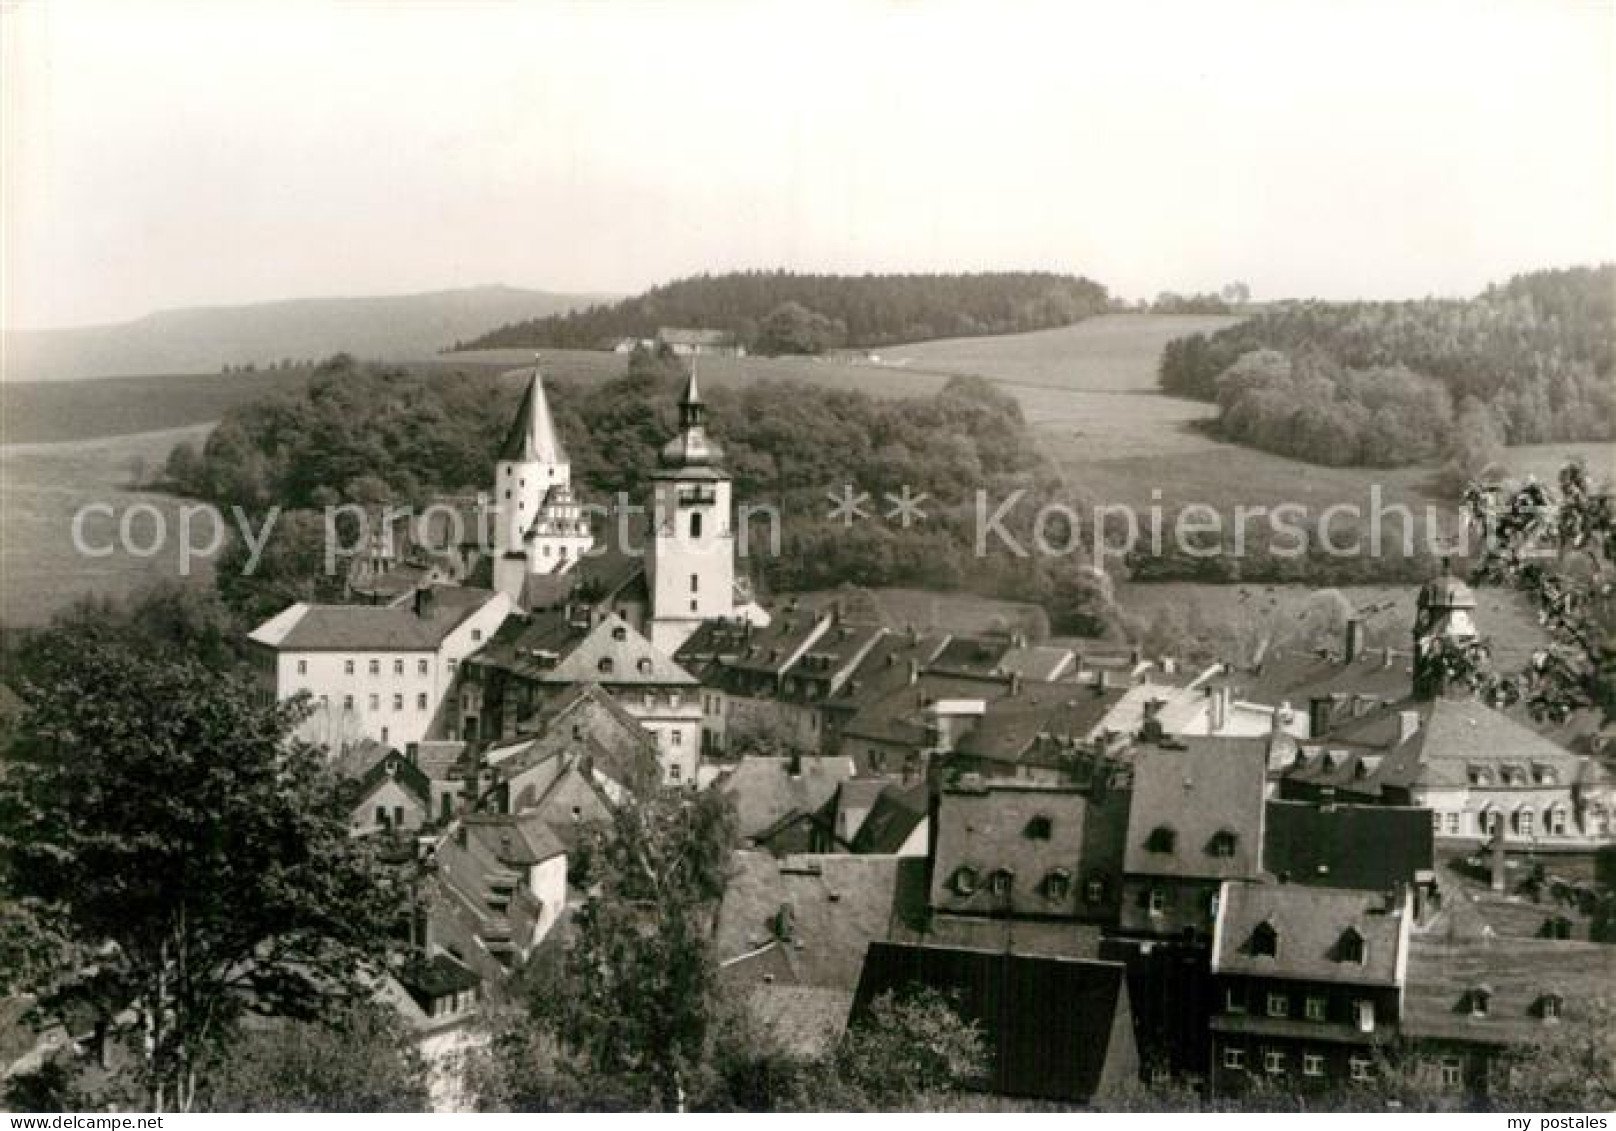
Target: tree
x=911, y=1045
x=158, y=814
x=360, y=1059
x=637, y=992
x=792, y=327
x=1559, y=548
x=1476, y=447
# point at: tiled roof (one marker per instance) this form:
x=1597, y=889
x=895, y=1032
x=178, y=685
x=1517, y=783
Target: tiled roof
x=1313, y=927
x=1013, y=723
x=1049, y=938
x=1205, y=788
x=517, y=840
x=1519, y=973
x=766, y=790
x=1298, y=677
x=1050, y=839
x=775, y=647
x=886, y=668
x=372, y=628
x=972, y=655
x=632, y=659
x=1369, y=847
x=838, y=905
x=805, y=1021
x=900, y=716
x=1038, y=662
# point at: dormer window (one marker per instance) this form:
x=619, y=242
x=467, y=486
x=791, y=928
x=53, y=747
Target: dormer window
x=1094, y=890
x=1058, y=884
x=1039, y=828
x=619, y=634
x=605, y=666
x=1222, y=843
x=1480, y=1001
x=963, y=880
x=1544, y=774
x=1000, y=882
x=644, y=665
x=1265, y=941
x=1161, y=839
x=1351, y=947
x=1550, y=1006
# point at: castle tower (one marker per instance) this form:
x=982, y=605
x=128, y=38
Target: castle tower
x=531, y=466
x=691, y=570
x=1444, y=614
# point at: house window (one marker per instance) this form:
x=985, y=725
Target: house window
x=1555, y=822
x=1001, y=880
x=420, y=701
x=605, y=666
x=1350, y=947
x=1452, y=1072
x=1548, y=1007
x=1039, y=828
x=695, y=524
x=678, y=737
x=1523, y=822
x=1273, y=1061
x=1058, y=884
x=1312, y=1064
x=1363, y=1011
x=1436, y=821
x=381, y=816
x=1158, y=901
x=302, y=667
x=1094, y=890
x=1453, y=824
x=1265, y=941
x=398, y=667
x=453, y=664
x=1234, y=999
x=375, y=667
x=964, y=881
x=398, y=702
x=1481, y=999
x=347, y=667
x=1360, y=1068
x=347, y=702
x=1279, y=1005
x=1491, y=822
x=1222, y=843
x=619, y=633
x=644, y=666
x=1234, y=1060
x=695, y=583
x=420, y=667
x=375, y=701
x=476, y=636
x=1316, y=1008
x=675, y=771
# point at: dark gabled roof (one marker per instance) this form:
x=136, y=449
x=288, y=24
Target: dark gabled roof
x=1039, y=663
x=972, y=655
x=398, y=768
x=1057, y=1029
x=1299, y=677
x=885, y=668
x=1204, y=787
x=1518, y=972
x=1049, y=938
x=1370, y=847
x=1034, y=832
x=900, y=716
x=515, y=840
x=1310, y=924
x=775, y=647
x=838, y=906
x=766, y=789
x=898, y=810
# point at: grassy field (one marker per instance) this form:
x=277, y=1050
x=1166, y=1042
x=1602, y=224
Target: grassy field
x=45, y=485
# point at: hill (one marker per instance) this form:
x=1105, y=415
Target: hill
x=1390, y=383
x=206, y=339
x=781, y=312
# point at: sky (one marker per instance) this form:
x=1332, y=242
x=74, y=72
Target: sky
x=164, y=155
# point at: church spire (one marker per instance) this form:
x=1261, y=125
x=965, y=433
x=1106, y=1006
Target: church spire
x=532, y=438
x=692, y=447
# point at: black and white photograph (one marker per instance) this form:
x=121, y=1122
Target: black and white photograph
x=880, y=556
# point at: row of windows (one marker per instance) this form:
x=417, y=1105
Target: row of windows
x=374, y=701
x=1522, y=822
x=1276, y=1062
x=1055, y=885
x=1315, y=1007
x=350, y=667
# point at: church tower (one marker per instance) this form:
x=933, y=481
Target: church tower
x=691, y=570
x=538, y=527
x=1444, y=615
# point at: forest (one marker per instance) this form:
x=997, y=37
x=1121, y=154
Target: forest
x=1383, y=383
x=377, y=435
x=780, y=312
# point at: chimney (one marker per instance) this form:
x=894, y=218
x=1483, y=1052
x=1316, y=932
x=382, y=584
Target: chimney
x=1408, y=725
x=1015, y=684
x=914, y=672
x=1386, y=656
x=1104, y=683
x=1320, y=715
x=1355, y=638
x=425, y=597
x=1220, y=697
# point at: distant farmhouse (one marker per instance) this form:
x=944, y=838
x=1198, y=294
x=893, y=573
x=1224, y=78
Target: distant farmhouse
x=699, y=343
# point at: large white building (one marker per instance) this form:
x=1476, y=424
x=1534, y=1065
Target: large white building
x=372, y=671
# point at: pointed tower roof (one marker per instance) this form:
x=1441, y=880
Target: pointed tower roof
x=692, y=448
x=532, y=437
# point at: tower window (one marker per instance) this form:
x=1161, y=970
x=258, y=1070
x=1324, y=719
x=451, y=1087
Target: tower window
x=695, y=525
x=695, y=582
